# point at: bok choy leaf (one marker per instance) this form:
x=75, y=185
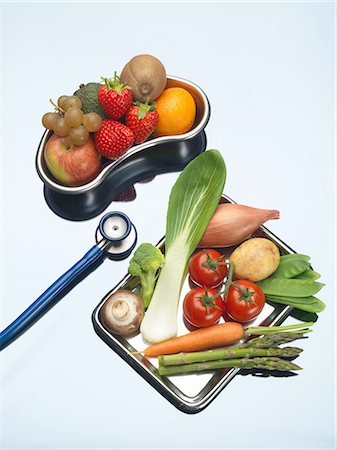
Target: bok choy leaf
x=193, y=200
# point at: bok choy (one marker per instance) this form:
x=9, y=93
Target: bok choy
x=193, y=200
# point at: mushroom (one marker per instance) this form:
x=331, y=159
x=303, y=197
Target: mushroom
x=123, y=312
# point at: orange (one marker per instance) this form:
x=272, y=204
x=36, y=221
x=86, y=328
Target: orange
x=176, y=108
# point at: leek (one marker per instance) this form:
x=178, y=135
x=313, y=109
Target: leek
x=193, y=200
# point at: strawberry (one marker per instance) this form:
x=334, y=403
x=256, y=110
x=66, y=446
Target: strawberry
x=114, y=97
x=128, y=195
x=113, y=139
x=143, y=119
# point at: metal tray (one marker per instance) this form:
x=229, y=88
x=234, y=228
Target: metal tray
x=153, y=157
x=193, y=392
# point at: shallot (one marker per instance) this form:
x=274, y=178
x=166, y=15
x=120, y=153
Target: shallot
x=232, y=224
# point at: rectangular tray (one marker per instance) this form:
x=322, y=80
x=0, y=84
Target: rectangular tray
x=193, y=392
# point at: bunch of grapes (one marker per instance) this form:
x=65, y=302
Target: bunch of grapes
x=69, y=121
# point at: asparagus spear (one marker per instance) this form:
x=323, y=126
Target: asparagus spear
x=269, y=330
x=275, y=339
x=227, y=353
x=245, y=363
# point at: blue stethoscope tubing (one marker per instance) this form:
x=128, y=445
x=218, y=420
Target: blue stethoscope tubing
x=53, y=294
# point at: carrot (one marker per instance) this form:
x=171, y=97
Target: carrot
x=214, y=336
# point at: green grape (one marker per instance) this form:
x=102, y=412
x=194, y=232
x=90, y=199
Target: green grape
x=49, y=119
x=92, y=121
x=72, y=101
x=61, y=128
x=67, y=142
x=73, y=117
x=61, y=101
x=79, y=135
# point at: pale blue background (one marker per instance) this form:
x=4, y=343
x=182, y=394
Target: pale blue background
x=268, y=69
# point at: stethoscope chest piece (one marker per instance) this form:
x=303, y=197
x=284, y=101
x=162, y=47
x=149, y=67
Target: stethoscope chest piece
x=120, y=234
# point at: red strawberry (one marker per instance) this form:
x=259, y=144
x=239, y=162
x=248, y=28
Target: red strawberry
x=114, y=97
x=128, y=195
x=113, y=139
x=143, y=119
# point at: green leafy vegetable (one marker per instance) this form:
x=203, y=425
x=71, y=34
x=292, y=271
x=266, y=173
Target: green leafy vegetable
x=193, y=200
x=145, y=264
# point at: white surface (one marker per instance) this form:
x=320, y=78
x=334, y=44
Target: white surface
x=268, y=69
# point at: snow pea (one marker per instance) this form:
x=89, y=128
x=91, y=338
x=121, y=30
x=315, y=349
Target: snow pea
x=291, y=265
x=309, y=304
x=291, y=255
x=308, y=275
x=289, y=287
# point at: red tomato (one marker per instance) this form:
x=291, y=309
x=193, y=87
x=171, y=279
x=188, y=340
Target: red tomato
x=244, y=305
x=207, y=268
x=203, y=307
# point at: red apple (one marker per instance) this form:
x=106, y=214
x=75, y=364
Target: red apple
x=75, y=165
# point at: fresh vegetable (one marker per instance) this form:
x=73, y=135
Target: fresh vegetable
x=293, y=284
x=291, y=265
x=276, y=338
x=228, y=333
x=227, y=353
x=259, y=353
x=113, y=139
x=207, y=268
x=142, y=119
x=289, y=287
x=114, y=97
x=309, y=304
x=232, y=224
x=203, y=307
x=299, y=327
x=122, y=313
x=255, y=259
x=177, y=110
x=145, y=264
x=214, y=336
x=192, y=202
x=308, y=275
x=244, y=301
x=146, y=76
x=243, y=363
x=88, y=94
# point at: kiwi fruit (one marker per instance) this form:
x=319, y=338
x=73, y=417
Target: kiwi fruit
x=146, y=76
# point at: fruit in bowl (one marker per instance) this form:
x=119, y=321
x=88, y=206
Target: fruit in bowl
x=111, y=117
x=72, y=165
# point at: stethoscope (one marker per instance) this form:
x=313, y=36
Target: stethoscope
x=115, y=236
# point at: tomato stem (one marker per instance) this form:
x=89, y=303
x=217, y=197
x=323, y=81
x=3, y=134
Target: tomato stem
x=212, y=264
x=246, y=294
x=208, y=301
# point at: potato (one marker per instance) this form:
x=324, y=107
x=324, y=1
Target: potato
x=255, y=259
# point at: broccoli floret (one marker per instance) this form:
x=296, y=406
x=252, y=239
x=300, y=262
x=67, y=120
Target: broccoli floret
x=145, y=264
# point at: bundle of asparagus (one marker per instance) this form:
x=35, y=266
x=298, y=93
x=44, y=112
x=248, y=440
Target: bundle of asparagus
x=258, y=353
